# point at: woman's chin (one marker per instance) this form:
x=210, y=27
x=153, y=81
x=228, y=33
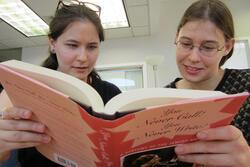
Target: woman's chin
x=192, y=78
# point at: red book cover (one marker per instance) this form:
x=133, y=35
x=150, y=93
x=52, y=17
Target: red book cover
x=81, y=139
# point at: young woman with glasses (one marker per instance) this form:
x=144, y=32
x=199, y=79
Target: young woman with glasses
x=204, y=42
x=74, y=43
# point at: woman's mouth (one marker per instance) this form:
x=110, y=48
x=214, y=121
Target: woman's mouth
x=79, y=68
x=192, y=70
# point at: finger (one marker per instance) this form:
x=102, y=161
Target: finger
x=23, y=136
x=16, y=113
x=208, y=159
x=205, y=147
x=221, y=133
x=23, y=125
x=18, y=145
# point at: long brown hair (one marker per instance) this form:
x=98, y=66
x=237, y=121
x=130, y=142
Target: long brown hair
x=64, y=16
x=216, y=12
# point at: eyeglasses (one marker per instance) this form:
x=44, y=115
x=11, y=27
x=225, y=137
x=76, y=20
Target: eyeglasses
x=207, y=49
x=89, y=5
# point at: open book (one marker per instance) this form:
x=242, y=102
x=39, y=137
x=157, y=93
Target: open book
x=156, y=118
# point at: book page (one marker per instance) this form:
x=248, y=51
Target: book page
x=139, y=99
x=4, y=101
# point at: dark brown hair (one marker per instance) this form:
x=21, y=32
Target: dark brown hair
x=64, y=16
x=216, y=12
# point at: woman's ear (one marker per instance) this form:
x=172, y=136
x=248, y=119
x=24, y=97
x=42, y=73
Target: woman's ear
x=229, y=45
x=51, y=45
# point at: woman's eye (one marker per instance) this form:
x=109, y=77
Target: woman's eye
x=208, y=47
x=186, y=44
x=72, y=45
x=92, y=47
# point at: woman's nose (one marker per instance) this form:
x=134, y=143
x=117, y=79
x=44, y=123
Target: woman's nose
x=194, y=54
x=82, y=54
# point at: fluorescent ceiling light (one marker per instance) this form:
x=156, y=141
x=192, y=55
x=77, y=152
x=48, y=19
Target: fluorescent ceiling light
x=113, y=14
x=21, y=17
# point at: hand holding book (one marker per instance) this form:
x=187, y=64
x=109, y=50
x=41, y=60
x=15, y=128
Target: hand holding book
x=18, y=130
x=228, y=139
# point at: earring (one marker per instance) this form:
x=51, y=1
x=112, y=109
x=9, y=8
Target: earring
x=53, y=51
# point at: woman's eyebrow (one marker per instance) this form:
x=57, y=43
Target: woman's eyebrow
x=184, y=37
x=210, y=41
x=72, y=40
x=93, y=43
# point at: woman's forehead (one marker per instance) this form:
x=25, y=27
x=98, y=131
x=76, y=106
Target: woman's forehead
x=201, y=30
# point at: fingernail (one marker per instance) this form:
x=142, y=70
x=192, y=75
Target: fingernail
x=25, y=114
x=46, y=139
x=179, y=149
x=201, y=135
x=40, y=127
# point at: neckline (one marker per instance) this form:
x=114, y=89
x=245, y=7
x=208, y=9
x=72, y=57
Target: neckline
x=218, y=87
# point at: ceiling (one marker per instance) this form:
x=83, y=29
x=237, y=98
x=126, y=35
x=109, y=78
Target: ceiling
x=146, y=18
x=137, y=12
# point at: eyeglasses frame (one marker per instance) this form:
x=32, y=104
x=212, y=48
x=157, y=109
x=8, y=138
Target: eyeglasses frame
x=218, y=49
x=80, y=3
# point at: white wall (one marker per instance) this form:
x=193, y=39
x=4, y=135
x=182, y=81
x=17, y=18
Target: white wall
x=240, y=58
x=35, y=55
x=140, y=50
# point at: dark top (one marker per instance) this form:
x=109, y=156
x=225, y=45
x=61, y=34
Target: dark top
x=234, y=81
x=30, y=157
